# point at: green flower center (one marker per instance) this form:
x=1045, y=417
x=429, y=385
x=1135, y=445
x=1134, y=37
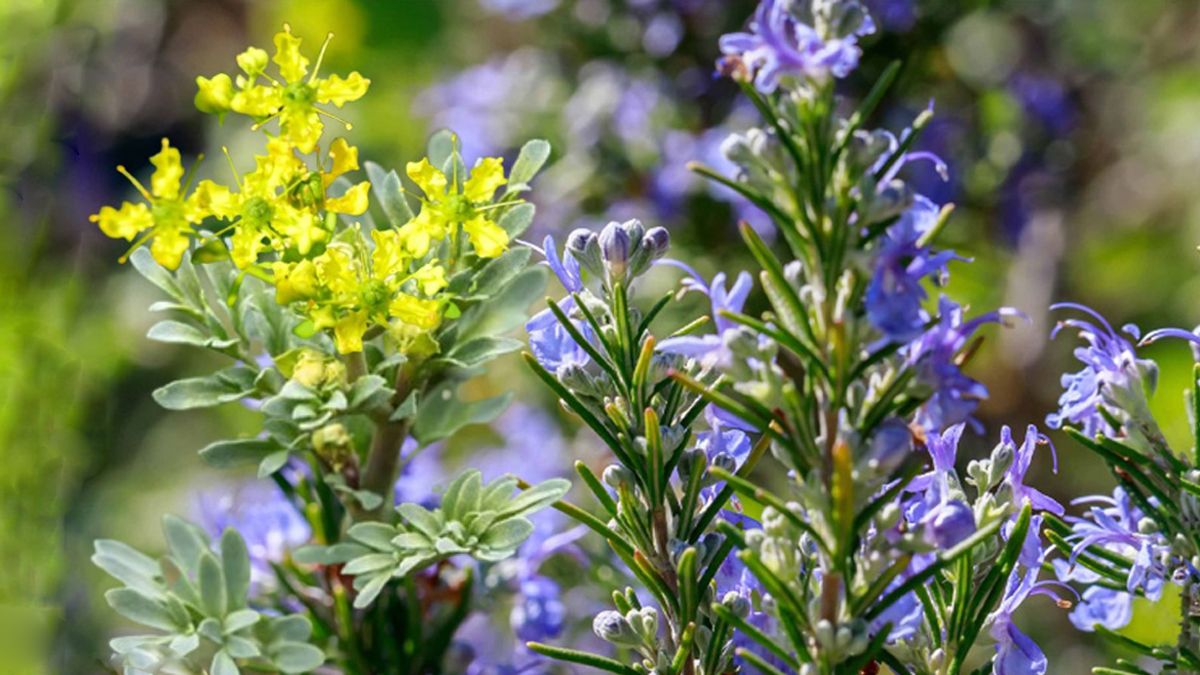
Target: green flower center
x=375, y=296
x=256, y=212
x=299, y=93
x=167, y=212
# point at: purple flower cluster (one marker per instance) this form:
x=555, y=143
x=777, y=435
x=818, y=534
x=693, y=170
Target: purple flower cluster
x=802, y=40
x=1116, y=525
x=934, y=355
x=269, y=522
x=896, y=293
x=1112, y=372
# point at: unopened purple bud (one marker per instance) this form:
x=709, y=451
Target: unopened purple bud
x=891, y=444
x=615, y=247
x=952, y=522
x=656, y=242
x=584, y=245
x=612, y=627
x=614, y=244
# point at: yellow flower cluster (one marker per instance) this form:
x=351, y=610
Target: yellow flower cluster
x=281, y=223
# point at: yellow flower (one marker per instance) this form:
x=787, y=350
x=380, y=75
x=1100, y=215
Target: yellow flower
x=214, y=95
x=485, y=179
x=413, y=311
x=295, y=281
x=167, y=222
x=488, y=238
x=348, y=332
x=348, y=290
x=444, y=208
x=293, y=98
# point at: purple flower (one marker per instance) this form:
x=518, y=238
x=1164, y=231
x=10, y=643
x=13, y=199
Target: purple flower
x=1116, y=525
x=519, y=9
x=1022, y=458
x=554, y=348
x=1101, y=606
x=951, y=523
x=491, y=106
x=710, y=350
x=268, y=521
x=1112, y=371
x=780, y=45
x=1045, y=100
x=895, y=15
x=955, y=395
x=538, y=613
x=1016, y=653
x=895, y=295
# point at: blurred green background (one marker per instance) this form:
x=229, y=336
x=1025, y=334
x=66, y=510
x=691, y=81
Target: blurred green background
x=1069, y=126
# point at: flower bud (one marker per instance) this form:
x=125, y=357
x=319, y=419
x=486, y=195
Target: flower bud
x=737, y=603
x=610, y=626
x=334, y=445
x=615, y=476
x=576, y=378
x=584, y=245
x=644, y=622
x=656, y=242
x=951, y=523
x=888, y=516
x=615, y=248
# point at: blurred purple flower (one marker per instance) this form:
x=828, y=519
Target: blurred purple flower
x=898, y=16
x=268, y=521
x=1044, y=100
x=519, y=9
x=490, y=106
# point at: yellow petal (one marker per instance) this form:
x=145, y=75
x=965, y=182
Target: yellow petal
x=337, y=272
x=430, y=179
x=300, y=229
x=338, y=91
x=348, y=332
x=245, y=245
x=292, y=64
x=420, y=232
x=488, y=238
x=486, y=177
x=294, y=281
x=431, y=278
x=257, y=101
x=214, y=95
x=253, y=61
x=168, y=247
x=301, y=126
x=353, y=202
x=424, y=314
x=168, y=172
x=389, y=256
x=217, y=200
x=124, y=223
x=345, y=158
